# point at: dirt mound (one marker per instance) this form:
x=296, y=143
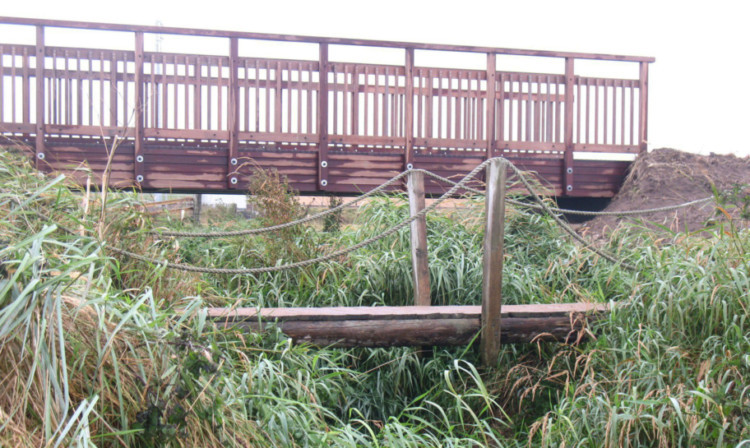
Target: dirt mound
x=667, y=176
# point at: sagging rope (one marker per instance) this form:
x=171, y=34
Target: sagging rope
x=336, y=254
x=456, y=186
x=437, y=177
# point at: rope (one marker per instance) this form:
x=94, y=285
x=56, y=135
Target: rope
x=455, y=187
x=285, y=225
x=332, y=255
x=566, y=211
x=547, y=209
x=397, y=178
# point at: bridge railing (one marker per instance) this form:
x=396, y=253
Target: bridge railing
x=318, y=106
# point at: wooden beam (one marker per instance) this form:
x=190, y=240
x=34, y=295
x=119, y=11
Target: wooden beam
x=419, y=263
x=412, y=325
x=316, y=39
x=40, y=96
x=401, y=312
x=492, y=276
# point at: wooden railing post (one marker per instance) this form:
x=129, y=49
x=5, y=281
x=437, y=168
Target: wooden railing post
x=568, y=184
x=419, y=263
x=491, y=94
x=409, y=110
x=643, y=127
x=233, y=114
x=492, y=273
x=139, y=164
x=40, y=95
x=323, y=118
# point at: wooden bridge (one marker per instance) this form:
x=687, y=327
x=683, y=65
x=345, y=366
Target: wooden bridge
x=201, y=123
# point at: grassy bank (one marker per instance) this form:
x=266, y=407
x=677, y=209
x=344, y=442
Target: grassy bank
x=100, y=350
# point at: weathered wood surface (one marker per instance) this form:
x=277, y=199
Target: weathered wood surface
x=179, y=205
x=412, y=325
x=419, y=255
x=378, y=118
x=492, y=263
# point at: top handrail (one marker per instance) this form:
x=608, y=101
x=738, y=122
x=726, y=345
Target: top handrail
x=315, y=39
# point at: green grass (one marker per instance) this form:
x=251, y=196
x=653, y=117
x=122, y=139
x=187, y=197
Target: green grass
x=99, y=350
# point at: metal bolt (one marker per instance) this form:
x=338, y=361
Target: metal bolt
x=233, y=181
x=570, y=188
x=139, y=178
x=324, y=164
x=409, y=166
x=139, y=159
x=324, y=182
x=570, y=170
x=233, y=161
x=40, y=156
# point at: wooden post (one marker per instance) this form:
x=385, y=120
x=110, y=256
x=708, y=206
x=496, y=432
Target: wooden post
x=420, y=267
x=409, y=110
x=569, y=103
x=197, y=207
x=491, y=101
x=138, y=113
x=40, y=94
x=492, y=276
x=234, y=113
x=643, y=127
x=323, y=118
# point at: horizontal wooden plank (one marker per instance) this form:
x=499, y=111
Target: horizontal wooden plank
x=412, y=325
x=401, y=312
x=311, y=39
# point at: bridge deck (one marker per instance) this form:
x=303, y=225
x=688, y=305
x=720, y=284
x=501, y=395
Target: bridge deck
x=196, y=122
x=413, y=325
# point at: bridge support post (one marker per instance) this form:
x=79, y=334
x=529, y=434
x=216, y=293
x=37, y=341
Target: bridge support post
x=234, y=114
x=323, y=162
x=138, y=159
x=570, y=99
x=492, y=275
x=40, y=95
x=643, y=101
x=409, y=110
x=419, y=263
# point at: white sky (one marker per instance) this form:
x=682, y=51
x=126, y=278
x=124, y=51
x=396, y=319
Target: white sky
x=699, y=95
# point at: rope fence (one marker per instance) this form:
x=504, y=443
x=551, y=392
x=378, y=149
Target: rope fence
x=539, y=205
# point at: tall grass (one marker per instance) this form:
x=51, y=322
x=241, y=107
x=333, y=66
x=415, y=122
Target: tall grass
x=98, y=350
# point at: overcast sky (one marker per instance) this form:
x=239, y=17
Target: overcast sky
x=699, y=95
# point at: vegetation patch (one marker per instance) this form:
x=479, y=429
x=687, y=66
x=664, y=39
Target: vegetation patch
x=97, y=349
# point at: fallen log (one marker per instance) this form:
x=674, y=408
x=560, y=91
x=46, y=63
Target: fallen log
x=414, y=325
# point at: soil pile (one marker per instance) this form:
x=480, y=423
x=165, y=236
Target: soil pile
x=665, y=177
